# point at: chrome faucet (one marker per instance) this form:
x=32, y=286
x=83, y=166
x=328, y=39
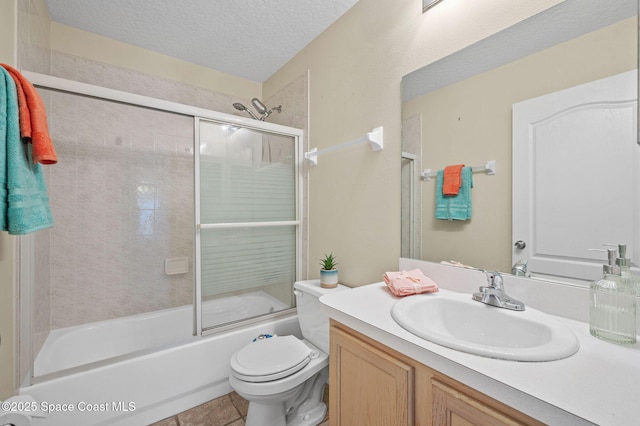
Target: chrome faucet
x=493, y=294
x=519, y=269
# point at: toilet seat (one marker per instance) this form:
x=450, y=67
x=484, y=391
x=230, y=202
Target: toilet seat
x=270, y=359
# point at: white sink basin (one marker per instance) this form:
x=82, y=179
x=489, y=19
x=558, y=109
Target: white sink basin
x=454, y=320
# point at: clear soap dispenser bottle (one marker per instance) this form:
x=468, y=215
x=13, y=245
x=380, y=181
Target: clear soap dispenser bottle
x=612, y=310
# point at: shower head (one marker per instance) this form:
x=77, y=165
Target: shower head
x=259, y=106
x=240, y=107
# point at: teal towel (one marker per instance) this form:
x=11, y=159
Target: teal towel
x=454, y=207
x=24, y=204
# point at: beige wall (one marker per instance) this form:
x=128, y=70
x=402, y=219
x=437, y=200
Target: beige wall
x=8, y=31
x=72, y=41
x=356, y=68
x=8, y=13
x=470, y=122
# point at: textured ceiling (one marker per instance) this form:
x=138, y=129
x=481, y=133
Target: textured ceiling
x=245, y=38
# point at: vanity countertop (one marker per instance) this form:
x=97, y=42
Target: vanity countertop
x=600, y=384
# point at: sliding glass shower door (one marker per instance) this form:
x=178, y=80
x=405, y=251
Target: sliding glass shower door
x=247, y=216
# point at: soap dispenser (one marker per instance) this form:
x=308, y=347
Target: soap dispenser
x=625, y=267
x=612, y=310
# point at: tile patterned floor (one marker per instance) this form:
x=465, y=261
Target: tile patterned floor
x=228, y=410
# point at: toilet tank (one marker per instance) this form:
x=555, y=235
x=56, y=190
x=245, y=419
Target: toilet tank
x=314, y=323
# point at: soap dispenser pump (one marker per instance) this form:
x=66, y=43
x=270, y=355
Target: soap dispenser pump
x=625, y=267
x=612, y=310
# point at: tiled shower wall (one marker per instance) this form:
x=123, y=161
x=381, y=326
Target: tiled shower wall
x=122, y=194
x=122, y=200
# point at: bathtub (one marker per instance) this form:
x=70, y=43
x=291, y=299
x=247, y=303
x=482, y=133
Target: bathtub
x=136, y=390
x=73, y=346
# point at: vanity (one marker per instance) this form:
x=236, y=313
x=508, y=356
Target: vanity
x=464, y=109
x=380, y=373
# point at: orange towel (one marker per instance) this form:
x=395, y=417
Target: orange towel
x=452, y=179
x=33, y=119
x=404, y=283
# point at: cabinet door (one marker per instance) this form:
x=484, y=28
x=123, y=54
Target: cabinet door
x=453, y=407
x=367, y=385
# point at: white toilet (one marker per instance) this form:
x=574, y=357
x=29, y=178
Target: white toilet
x=283, y=377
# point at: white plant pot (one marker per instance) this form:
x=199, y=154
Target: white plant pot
x=328, y=278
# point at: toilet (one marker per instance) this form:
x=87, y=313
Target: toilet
x=283, y=377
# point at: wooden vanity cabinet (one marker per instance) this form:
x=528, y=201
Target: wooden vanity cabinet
x=368, y=384
x=373, y=385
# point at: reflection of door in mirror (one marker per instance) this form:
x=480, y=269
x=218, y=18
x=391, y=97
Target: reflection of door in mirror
x=411, y=225
x=566, y=196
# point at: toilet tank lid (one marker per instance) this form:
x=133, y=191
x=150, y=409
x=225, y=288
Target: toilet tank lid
x=313, y=287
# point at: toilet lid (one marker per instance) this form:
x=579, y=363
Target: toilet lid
x=270, y=359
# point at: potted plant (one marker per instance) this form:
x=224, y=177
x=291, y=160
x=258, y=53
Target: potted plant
x=329, y=271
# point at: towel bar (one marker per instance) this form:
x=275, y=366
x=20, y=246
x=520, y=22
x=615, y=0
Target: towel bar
x=489, y=168
x=374, y=138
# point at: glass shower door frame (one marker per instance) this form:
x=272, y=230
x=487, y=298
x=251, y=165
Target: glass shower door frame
x=260, y=126
x=24, y=245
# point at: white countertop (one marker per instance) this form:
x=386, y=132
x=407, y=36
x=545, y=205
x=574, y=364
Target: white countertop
x=600, y=384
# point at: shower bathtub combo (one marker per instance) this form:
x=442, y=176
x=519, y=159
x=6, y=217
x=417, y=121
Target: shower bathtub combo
x=144, y=367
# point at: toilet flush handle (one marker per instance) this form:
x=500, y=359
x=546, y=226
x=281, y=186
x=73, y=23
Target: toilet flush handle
x=298, y=293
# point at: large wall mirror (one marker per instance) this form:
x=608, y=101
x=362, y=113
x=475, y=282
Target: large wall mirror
x=566, y=178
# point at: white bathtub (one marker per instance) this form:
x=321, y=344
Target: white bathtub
x=144, y=389
x=73, y=346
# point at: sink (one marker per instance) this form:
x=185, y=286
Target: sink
x=454, y=320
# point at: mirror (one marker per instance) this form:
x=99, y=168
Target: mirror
x=458, y=110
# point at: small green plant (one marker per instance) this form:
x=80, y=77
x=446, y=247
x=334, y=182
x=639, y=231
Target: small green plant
x=328, y=262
